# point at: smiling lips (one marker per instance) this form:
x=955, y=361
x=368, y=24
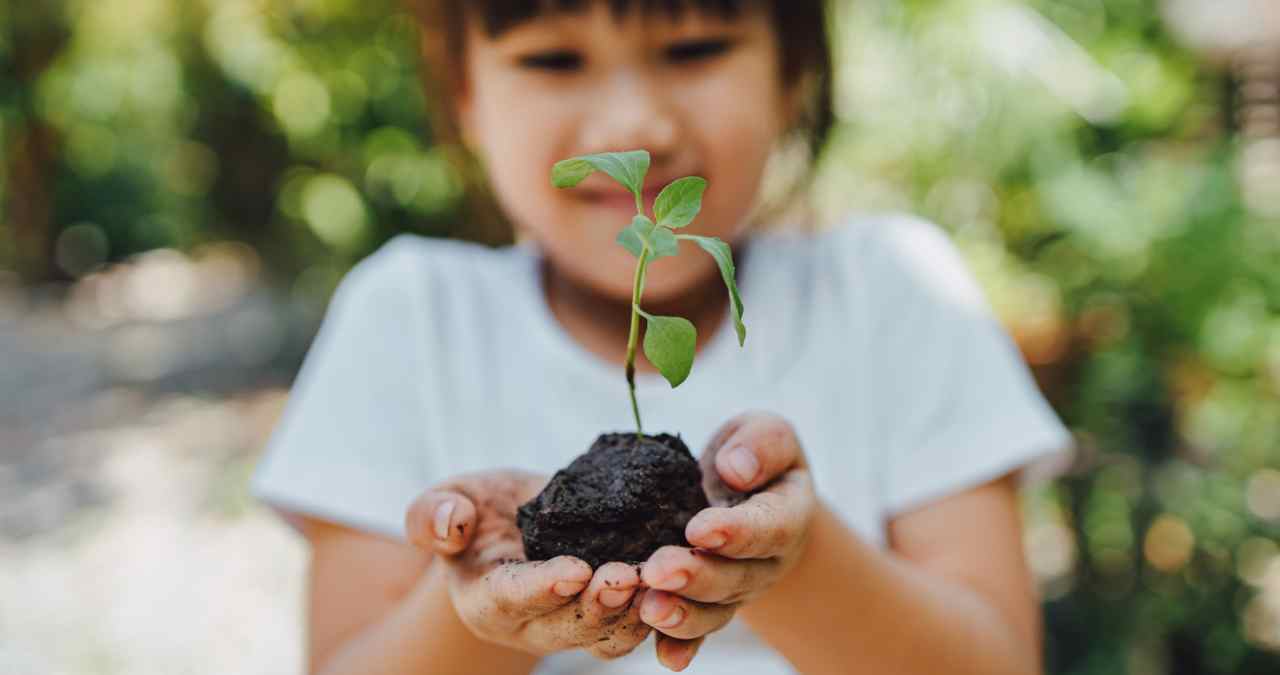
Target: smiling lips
x=618, y=198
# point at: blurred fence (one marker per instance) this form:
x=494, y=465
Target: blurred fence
x=182, y=183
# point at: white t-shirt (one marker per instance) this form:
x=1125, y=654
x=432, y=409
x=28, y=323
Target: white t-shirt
x=873, y=340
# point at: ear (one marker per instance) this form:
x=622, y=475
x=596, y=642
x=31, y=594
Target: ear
x=796, y=97
x=464, y=112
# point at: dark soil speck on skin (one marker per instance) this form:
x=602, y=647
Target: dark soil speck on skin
x=621, y=501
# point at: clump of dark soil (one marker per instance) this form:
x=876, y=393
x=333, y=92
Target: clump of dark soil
x=624, y=499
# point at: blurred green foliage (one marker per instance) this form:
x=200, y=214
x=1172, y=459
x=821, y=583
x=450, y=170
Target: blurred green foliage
x=297, y=127
x=1088, y=165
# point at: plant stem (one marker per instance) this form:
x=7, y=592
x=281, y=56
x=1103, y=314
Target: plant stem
x=636, y=291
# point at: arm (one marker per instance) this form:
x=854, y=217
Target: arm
x=378, y=607
x=954, y=595
x=459, y=597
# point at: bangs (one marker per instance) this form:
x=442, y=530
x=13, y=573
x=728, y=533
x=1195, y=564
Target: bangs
x=499, y=16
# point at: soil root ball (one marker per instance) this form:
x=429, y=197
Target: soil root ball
x=621, y=501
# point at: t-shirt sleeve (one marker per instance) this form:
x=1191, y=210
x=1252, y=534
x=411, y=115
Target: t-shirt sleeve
x=349, y=446
x=957, y=404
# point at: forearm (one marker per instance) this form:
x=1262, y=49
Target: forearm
x=424, y=635
x=847, y=605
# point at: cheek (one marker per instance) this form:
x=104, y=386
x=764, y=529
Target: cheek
x=738, y=164
x=735, y=121
x=736, y=143
x=519, y=144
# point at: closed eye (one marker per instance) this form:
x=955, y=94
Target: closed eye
x=696, y=50
x=560, y=60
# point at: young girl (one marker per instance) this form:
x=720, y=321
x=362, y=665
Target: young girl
x=450, y=380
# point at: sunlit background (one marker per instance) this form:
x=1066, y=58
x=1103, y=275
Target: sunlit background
x=183, y=183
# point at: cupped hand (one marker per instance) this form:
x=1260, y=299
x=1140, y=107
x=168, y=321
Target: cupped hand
x=763, y=501
x=537, y=607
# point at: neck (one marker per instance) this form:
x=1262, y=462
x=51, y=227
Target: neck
x=601, y=323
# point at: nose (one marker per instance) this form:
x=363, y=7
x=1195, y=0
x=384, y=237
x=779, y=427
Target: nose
x=632, y=113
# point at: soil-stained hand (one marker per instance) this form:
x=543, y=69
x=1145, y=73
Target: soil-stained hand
x=538, y=607
x=756, y=477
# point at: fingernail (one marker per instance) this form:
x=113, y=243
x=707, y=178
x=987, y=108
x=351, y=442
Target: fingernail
x=674, y=582
x=743, y=464
x=443, y=513
x=614, y=598
x=714, y=540
x=673, y=620
x=568, y=589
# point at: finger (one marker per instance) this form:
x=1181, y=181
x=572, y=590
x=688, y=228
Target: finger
x=707, y=577
x=567, y=628
x=441, y=521
x=768, y=524
x=676, y=654
x=610, y=592
x=527, y=590
x=762, y=447
x=673, y=615
x=617, y=634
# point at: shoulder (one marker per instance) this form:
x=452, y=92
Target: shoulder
x=406, y=256
x=900, y=236
x=409, y=270
x=896, y=238
x=902, y=256
x=892, y=248
x=866, y=259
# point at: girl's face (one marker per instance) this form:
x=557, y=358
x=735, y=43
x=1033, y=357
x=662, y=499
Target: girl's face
x=702, y=94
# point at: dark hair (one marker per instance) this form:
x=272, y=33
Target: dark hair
x=805, y=61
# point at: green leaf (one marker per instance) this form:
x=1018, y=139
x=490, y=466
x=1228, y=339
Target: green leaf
x=641, y=232
x=679, y=201
x=627, y=168
x=631, y=240
x=663, y=242
x=569, y=172
x=724, y=258
x=669, y=344
x=636, y=235
x=642, y=226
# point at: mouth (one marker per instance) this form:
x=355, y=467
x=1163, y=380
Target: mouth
x=620, y=200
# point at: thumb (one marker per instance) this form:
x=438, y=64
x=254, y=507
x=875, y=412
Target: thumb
x=440, y=521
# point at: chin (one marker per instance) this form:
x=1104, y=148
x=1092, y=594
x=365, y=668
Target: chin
x=613, y=287
x=665, y=289
x=613, y=275
x=656, y=290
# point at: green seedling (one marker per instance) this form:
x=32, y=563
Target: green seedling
x=669, y=341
